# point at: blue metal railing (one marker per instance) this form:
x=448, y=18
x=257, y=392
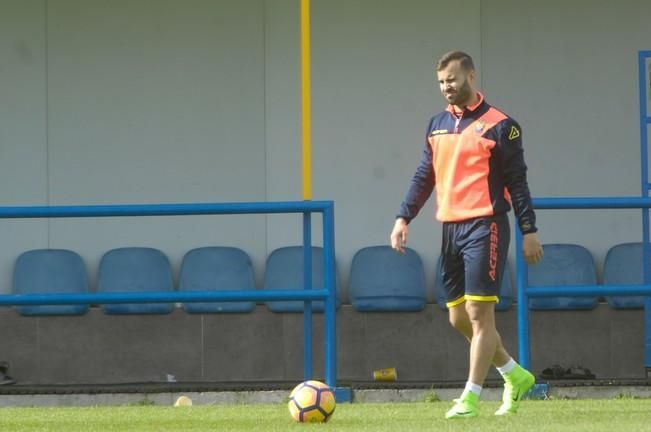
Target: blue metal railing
x=645, y=121
x=307, y=294
x=643, y=202
x=522, y=274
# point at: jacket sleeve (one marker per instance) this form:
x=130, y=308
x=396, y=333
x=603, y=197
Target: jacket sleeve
x=420, y=188
x=515, y=175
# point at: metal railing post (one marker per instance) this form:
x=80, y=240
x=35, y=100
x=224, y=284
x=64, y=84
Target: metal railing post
x=522, y=280
x=306, y=293
x=307, y=285
x=644, y=171
x=330, y=311
x=522, y=275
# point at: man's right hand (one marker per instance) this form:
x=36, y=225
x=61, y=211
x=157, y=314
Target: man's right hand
x=399, y=235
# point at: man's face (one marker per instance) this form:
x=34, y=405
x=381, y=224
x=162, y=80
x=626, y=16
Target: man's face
x=456, y=85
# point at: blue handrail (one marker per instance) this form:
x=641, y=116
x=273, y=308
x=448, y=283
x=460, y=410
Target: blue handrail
x=592, y=203
x=307, y=294
x=645, y=121
x=164, y=209
x=162, y=297
x=642, y=202
x=524, y=292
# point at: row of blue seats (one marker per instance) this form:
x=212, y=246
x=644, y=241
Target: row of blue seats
x=141, y=269
x=380, y=279
x=569, y=264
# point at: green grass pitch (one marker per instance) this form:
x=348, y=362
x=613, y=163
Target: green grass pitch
x=556, y=415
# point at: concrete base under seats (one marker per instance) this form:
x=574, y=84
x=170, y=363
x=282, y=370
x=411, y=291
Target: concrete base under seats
x=264, y=346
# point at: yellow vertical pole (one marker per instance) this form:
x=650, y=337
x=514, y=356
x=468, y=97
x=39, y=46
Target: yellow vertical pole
x=306, y=102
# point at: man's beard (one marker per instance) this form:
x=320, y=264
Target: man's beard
x=462, y=96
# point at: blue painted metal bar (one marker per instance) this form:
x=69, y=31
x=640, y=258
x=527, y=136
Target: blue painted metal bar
x=592, y=203
x=307, y=285
x=307, y=294
x=644, y=149
x=644, y=160
x=162, y=209
x=589, y=290
x=162, y=297
x=524, y=292
x=643, y=202
x=522, y=276
x=343, y=394
x=330, y=309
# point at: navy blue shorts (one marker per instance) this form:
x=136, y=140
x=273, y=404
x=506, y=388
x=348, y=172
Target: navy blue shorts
x=473, y=254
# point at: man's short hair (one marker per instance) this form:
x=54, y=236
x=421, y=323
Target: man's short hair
x=464, y=60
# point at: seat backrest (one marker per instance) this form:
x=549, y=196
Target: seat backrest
x=284, y=270
x=217, y=269
x=505, y=294
x=383, y=280
x=135, y=269
x=624, y=266
x=50, y=271
x=563, y=264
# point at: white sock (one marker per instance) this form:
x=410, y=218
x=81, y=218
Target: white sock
x=507, y=367
x=472, y=388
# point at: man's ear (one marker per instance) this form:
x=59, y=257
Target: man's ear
x=472, y=77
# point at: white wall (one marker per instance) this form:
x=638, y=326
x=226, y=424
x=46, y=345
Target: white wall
x=165, y=101
x=568, y=72
x=146, y=102
x=23, y=136
x=374, y=93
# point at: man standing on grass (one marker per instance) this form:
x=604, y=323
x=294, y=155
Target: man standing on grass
x=474, y=156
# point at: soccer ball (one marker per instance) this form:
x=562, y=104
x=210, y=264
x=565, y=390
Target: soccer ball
x=311, y=402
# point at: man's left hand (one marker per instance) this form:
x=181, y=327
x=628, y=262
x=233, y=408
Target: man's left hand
x=531, y=248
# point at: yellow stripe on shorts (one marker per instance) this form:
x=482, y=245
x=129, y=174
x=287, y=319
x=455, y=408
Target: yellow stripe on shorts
x=456, y=302
x=493, y=299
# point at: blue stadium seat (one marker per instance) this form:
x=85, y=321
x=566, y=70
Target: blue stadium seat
x=623, y=266
x=505, y=294
x=383, y=280
x=284, y=270
x=50, y=271
x=217, y=268
x=135, y=269
x=563, y=264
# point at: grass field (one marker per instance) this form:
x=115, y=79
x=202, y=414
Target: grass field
x=561, y=415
